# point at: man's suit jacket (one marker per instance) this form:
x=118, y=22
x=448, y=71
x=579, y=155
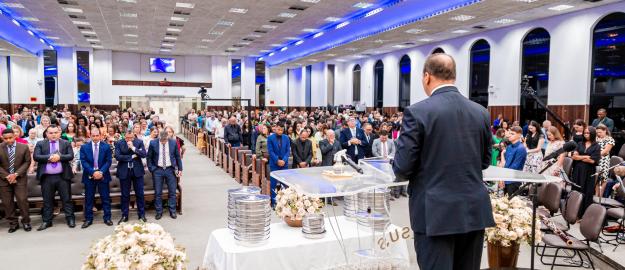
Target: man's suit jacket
x=124, y=155
x=278, y=152
x=328, y=150
x=346, y=135
x=105, y=159
x=444, y=166
x=608, y=122
x=154, y=152
x=22, y=162
x=29, y=124
x=376, y=148
x=42, y=154
x=369, y=144
x=302, y=151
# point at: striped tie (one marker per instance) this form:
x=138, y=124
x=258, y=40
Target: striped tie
x=12, y=159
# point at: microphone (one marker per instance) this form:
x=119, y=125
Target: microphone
x=352, y=164
x=567, y=147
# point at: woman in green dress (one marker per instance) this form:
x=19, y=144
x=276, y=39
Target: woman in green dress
x=497, y=139
x=70, y=132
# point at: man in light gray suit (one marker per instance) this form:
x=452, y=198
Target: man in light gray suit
x=383, y=146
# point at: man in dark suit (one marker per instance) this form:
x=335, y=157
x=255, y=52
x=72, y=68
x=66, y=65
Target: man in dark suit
x=353, y=139
x=302, y=150
x=14, y=163
x=279, y=148
x=128, y=154
x=165, y=165
x=232, y=132
x=26, y=123
x=329, y=146
x=449, y=204
x=96, y=159
x=369, y=138
x=54, y=172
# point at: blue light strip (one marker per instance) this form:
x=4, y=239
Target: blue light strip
x=20, y=33
x=396, y=14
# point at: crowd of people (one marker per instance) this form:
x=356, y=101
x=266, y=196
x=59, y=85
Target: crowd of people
x=523, y=148
x=52, y=146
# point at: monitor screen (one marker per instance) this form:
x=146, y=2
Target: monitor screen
x=163, y=65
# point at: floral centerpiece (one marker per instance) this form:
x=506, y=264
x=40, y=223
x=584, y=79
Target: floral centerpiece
x=513, y=219
x=292, y=207
x=143, y=246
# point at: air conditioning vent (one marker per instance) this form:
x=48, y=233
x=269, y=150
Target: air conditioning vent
x=172, y=34
x=248, y=39
x=68, y=2
x=276, y=21
x=238, y=45
x=175, y=24
x=260, y=31
x=90, y=36
x=180, y=12
x=85, y=28
x=480, y=27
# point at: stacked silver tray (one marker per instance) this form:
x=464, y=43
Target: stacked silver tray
x=253, y=217
x=373, y=208
x=313, y=226
x=350, y=206
x=232, y=195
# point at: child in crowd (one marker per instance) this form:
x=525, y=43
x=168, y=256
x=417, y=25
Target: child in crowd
x=76, y=144
x=513, y=157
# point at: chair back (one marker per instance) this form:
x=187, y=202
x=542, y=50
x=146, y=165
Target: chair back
x=573, y=203
x=620, y=191
x=621, y=152
x=550, y=197
x=567, y=165
x=592, y=222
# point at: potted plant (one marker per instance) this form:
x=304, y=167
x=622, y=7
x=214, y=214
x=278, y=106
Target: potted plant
x=141, y=246
x=513, y=219
x=292, y=207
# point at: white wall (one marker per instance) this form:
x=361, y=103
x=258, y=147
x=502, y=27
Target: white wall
x=67, y=75
x=136, y=67
x=248, y=78
x=276, y=87
x=4, y=80
x=318, y=85
x=27, y=80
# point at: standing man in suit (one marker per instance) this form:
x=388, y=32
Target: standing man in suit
x=329, y=146
x=128, y=154
x=369, y=138
x=54, y=172
x=96, y=159
x=353, y=139
x=165, y=165
x=232, y=132
x=279, y=148
x=26, y=123
x=449, y=204
x=14, y=163
x=383, y=146
x=302, y=150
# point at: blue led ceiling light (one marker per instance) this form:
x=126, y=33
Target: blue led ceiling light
x=20, y=33
x=394, y=14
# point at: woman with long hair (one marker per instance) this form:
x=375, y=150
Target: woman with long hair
x=586, y=157
x=246, y=133
x=554, y=142
x=578, y=130
x=81, y=132
x=45, y=123
x=497, y=146
x=533, y=142
x=261, y=142
x=606, y=142
x=70, y=132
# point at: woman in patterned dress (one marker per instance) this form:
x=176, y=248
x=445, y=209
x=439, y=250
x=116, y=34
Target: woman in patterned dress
x=533, y=142
x=606, y=142
x=554, y=142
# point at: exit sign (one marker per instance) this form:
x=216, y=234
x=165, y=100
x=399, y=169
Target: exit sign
x=33, y=99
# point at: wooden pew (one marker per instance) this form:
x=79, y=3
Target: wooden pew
x=239, y=162
x=265, y=184
x=224, y=156
x=246, y=169
x=256, y=170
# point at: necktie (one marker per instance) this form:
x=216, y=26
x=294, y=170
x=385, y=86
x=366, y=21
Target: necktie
x=384, y=153
x=164, y=156
x=53, y=150
x=96, y=154
x=11, y=159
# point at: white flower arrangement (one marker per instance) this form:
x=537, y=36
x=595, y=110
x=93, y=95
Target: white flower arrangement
x=296, y=206
x=141, y=246
x=513, y=219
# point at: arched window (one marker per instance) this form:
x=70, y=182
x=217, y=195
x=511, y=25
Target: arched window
x=607, y=89
x=535, y=64
x=404, y=82
x=356, y=83
x=438, y=50
x=378, y=84
x=480, y=63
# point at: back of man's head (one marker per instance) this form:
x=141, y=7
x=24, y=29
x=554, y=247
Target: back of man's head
x=441, y=66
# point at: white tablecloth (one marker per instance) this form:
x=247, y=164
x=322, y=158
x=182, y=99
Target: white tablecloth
x=287, y=248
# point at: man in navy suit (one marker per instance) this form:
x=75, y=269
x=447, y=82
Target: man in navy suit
x=26, y=123
x=96, y=159
x=128, y=153
x=353, y=139
x=449, y=204
x=279, y=148
x=165, y=164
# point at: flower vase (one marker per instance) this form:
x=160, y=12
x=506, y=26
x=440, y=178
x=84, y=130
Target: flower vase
x=503, y=257
x=293, y=222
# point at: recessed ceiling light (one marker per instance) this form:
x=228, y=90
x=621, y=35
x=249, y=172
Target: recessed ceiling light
x=170, y=38
x=179, y=19
x=264, y=51
x=128, y=26
x=167, y=45
x=311, y=1
x=245, y=43
x=54, y=38
x=341, y=25
x=132, y=42
x=275, y=45
x=208, y=40
x=202, y=46
x=81, y=23
x=216, y=33
x=12, y=5
x=131, y=35
x=291, y=38
x=93, y=40
x=373, y=12
x=232, y=49
x=71, y=9
x=425, y=39
x=31, y=33
x=299, y=42
x=42, y=41
x=460, y=31
x=15, y=22
x=128, y=1
x=340, y=60
x=363, y=5
x=462, y=18
x=309, y=30
x=560, y=7
x=271, y=54
x=165, y=50
x=254, y=35
x=225, y=23
x=399, y=46
x=89, y=32
x=174, y=30
x=238, y=10
x=30, y=19
x=287, y=15
x=415, y=31
x=505, y=21
x=318, y=35
x=330, y=54
x=42, y=29
x=358, y=56
x=128, y=14
x=185, y=5
x=351, y=49
x=268, y=26
x=332, y=19
x=96, y=46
